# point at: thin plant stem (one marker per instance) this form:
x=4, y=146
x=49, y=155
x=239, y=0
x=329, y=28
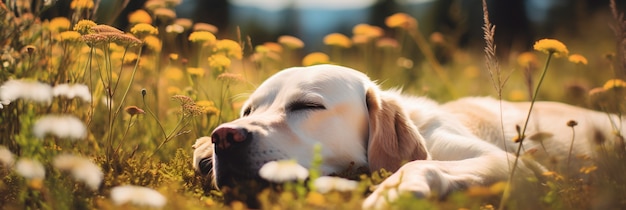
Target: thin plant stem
x=522, y=135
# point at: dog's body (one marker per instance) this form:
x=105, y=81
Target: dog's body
x=431, y=148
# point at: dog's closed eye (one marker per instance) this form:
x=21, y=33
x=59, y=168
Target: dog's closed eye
x=305, y=105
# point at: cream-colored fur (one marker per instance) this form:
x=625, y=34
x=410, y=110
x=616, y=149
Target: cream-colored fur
x=431, y=148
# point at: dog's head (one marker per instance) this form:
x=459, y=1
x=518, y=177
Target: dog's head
x=338, y=108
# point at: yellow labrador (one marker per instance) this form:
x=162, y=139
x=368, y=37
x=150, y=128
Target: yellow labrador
x=431, y=147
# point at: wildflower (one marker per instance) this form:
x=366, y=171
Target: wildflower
x=183, y=99
x=230, y=77
x=205, y=27
x=196, y=71
x=219, y=62
x=28, y=90
x=72, y=90
x=368, y=31
x=133, y=110
x=82, y=169
x=174, y=28
x=6, y=156
x=59, y=24
x=229, y=47
x=82, y=4
x=172, y=90
x=316, y=199
x=143, y=29
x=164, y=13
x=326, y=184
x=93, y=40
x=208, y=107
x=387, y=43
x=139, y=16
x=105, y=28
x=140, y=196
x=551, y=46
x=202, y=37
x=83, y=26
x=30, y=169
x=273, y=47
x=186, y=23
x=577, y=59
x=527, y=59
x=29, y=49
x=572, y=123
x=291, y=42
x=614, y=84
x=173, y=73
x=153, y=43
x=124, y=39
x=315, y=58
x=69, y=36
x=152, y=5
x=401, y=20
x=61, y=126
x=337, y=39
x=283, y=171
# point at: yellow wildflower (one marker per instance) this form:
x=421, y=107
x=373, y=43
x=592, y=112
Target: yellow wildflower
x=59, y=24
x=577, y=59
x=400, y=20
x=82, y=4
x=104, y=29
x=229, y=47
x=337, y=39
x=139, y=16
x=196, y=71
x=143, y=29
x=173, y=90
x=205, y=27
x=368, y=31
x=230, y=77
x=315, y=58
x=173, y=73
x=273, y=46
x=83, y=26
x=315, y=199
x=527, y=59
x=68, y=36
x=219, y=62
x=207, y=107
x=186, y=23
x=173, y=56
x=291, y=42
x=614, y=83
x=551, y=46
x=202, y=37
x=164, y=13
x=153, y=43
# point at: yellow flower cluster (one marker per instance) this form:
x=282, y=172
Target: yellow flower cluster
x=577, y=59
x=337, y=39
x=315, y=58
x=82, y=4
x=195, y=71
x=139, y=16
x=614, y=83
x=83, y=26
x=153, y=43
x=527, y=59
x=367, y=31
x=68, y=36
x=291, y=42
x=401, y=20
x=551, y=46
x=59, y=24
x=144, y=29
x=229, y=47
x=219, y=62
x=202, y=37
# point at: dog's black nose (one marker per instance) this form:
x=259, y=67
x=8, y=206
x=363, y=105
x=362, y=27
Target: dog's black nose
x=227, y=136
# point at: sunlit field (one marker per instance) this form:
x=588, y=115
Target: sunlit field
x=96, y=116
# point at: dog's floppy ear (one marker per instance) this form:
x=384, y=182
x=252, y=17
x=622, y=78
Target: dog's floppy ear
x=393, y=138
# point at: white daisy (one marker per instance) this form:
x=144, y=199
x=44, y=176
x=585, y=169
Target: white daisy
x=81, y=168
x=71, y=91
x=25, y=89
x=62, y=126
x=30, y=169
x=326, y=184
x=140, y=196
x=6, y=156
x=283, y=171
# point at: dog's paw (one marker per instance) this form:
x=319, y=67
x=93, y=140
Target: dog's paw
x=416, y=179
x=203, y=155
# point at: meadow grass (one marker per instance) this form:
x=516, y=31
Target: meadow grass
x=155, y=87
